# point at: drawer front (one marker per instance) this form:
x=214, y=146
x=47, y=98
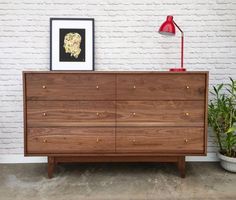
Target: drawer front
x=67, y=113
x=160, y=140
x=162, y=112
x=70, y=86
x=70, y=140
x=161, y=86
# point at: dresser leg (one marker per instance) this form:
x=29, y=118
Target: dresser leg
x=181, y=166
x=51, y=166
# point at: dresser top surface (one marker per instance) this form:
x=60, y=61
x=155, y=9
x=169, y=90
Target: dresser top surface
x=112, y=72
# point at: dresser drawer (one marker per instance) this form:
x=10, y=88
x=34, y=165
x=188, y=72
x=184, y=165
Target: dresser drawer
x=70, y=113
x=164, y=140
x=177, y=113
x=69, y=86
x=169, y=86
x=70, y=140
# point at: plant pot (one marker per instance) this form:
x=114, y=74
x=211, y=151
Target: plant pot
x=228, y=163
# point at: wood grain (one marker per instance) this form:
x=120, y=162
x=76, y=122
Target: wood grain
x=72, y=124
x=119, y=158
x=181, y=166
x=24, y=111
x=58, y=113
x=70, y=86
x=113, y=72
x=73, y=116
x=71, y=140
x=159, y=124
x=160, y=139
x=175, y=112
x=206, y=113
x=161, y=86
x=51, y=166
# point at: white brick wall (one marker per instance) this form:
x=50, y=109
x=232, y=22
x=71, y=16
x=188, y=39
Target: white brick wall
x=125, y=39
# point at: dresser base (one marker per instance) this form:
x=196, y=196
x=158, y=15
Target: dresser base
x=53, y=161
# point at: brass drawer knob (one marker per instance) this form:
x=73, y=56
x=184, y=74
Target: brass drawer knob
x=44, y=114
x=97, y=113
x=186, y=140
x=134, y=87
x=134, y=113
x=98, y=140
x=187, y=114
x=44, y=86
x=97, y=87
x=133, y=141
x=44, y=141
x=187, y=87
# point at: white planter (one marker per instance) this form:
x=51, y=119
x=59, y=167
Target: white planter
x=227, y=163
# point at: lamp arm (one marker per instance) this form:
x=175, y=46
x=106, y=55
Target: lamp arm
x=179, y=28
x=182, y=45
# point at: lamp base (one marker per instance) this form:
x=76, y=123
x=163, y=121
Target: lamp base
x=177, y=70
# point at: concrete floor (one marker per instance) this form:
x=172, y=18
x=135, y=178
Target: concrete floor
x=116, y=181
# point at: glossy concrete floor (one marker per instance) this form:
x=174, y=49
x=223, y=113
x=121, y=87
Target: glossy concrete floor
x=116, y=181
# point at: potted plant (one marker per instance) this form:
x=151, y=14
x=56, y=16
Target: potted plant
x=222, y=118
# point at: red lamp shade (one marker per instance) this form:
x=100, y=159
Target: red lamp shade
x=168, y=27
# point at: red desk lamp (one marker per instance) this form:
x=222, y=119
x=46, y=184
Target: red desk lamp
x=168, y=28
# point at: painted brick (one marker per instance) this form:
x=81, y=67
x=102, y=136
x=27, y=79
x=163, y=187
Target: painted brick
x=125, y=39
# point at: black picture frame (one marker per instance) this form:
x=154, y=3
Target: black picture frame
x=58, y=59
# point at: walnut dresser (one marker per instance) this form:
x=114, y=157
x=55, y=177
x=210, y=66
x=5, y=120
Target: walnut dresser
x=72, y=116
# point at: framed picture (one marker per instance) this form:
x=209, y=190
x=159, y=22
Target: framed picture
x=71, y=44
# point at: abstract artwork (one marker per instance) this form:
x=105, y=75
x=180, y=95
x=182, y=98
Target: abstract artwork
x=72, y=44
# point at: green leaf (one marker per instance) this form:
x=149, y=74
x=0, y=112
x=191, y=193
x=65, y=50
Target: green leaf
x=213, y=93
x=220, y=87
x=231, y=129
x=232, y=81
x=216, y=92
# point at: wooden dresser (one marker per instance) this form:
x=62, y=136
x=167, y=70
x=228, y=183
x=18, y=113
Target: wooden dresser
x=115, y=116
